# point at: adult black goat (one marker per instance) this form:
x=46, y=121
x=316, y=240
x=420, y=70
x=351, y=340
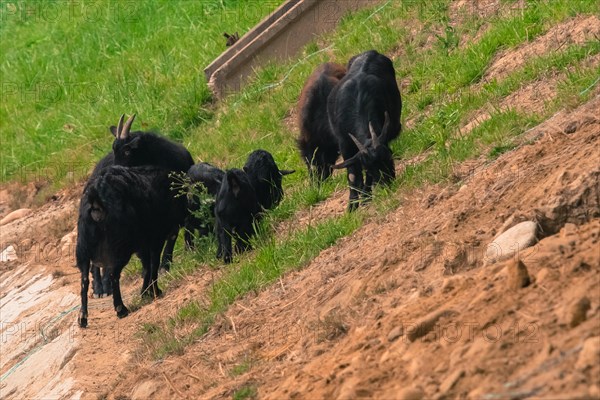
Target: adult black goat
x=317, y=144
x=147, y=148
x=125, y=211
x=364, y=112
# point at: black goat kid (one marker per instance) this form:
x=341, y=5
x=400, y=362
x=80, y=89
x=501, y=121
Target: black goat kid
x=265, y=178
x=236, y=210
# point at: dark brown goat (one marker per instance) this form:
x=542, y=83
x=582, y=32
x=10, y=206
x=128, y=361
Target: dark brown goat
x=317, y=144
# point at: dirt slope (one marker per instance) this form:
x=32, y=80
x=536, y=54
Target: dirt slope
x=344, y=326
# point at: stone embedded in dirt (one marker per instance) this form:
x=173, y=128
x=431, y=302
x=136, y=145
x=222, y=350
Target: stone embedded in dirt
x=594, y=391
x=590, y=353
x=395, y=333
x=451, y=381
x=411, y=394
x=15, y=215
x=145, y=390
x=426, y=324
x=579, y=312
x=8, y=254
x=514, y=240
x=518, y=277
x=571, y=127
x=542, y=275
x=568, y=230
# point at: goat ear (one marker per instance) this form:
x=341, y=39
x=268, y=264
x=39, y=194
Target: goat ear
x=285, y=172
x=346, y=163
x=227, y=35
x=113, y=130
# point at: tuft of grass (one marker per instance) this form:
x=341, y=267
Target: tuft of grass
x=246, y=392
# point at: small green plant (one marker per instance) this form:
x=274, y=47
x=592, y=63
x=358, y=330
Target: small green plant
x=449, y=40
x=246, y=392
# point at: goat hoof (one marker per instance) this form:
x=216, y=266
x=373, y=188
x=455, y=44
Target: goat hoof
x=82, y=322
x=158, y=293
x=122, y=311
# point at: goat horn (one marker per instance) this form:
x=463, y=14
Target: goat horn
x=374, y=138
x=120, y=126
x=386, y=125
x=127, y=127
x=284, y=172
x=361, y=147
x=346, y=163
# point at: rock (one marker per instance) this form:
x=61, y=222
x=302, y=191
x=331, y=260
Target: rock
x=542, y=275
x=426, y=324
x=145, y=390
x=518, y=277
x=579, y=312
x=571, y=127
x=395, y=333
x=568, y=229
x=451, y=381
x=514, y=240
x=15, y=215
x=8, y=254
x=411, y=394
x=594, y=392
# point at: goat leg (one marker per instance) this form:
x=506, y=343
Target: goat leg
x=85, y=283
x=115, y=274
x=154, y=265
x=97, y=281
x=355, y=182
x=168, y=250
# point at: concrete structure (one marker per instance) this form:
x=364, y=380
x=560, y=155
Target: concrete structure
x=278, y=36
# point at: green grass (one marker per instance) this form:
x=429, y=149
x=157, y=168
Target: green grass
x=246, y=392
x=69, y=69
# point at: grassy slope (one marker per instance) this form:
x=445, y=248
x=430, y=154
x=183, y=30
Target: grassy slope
x=444, y=89
x=69, y=69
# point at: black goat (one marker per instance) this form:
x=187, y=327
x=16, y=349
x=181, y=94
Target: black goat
x=210, y=177
x=147, y=148
x=265, y=178
x=317, y=144
x=236, y=210
x=125, y=211
x=101, y=285
x=364, y=113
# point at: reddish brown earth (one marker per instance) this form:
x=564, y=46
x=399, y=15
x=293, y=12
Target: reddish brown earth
x=406, y=307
